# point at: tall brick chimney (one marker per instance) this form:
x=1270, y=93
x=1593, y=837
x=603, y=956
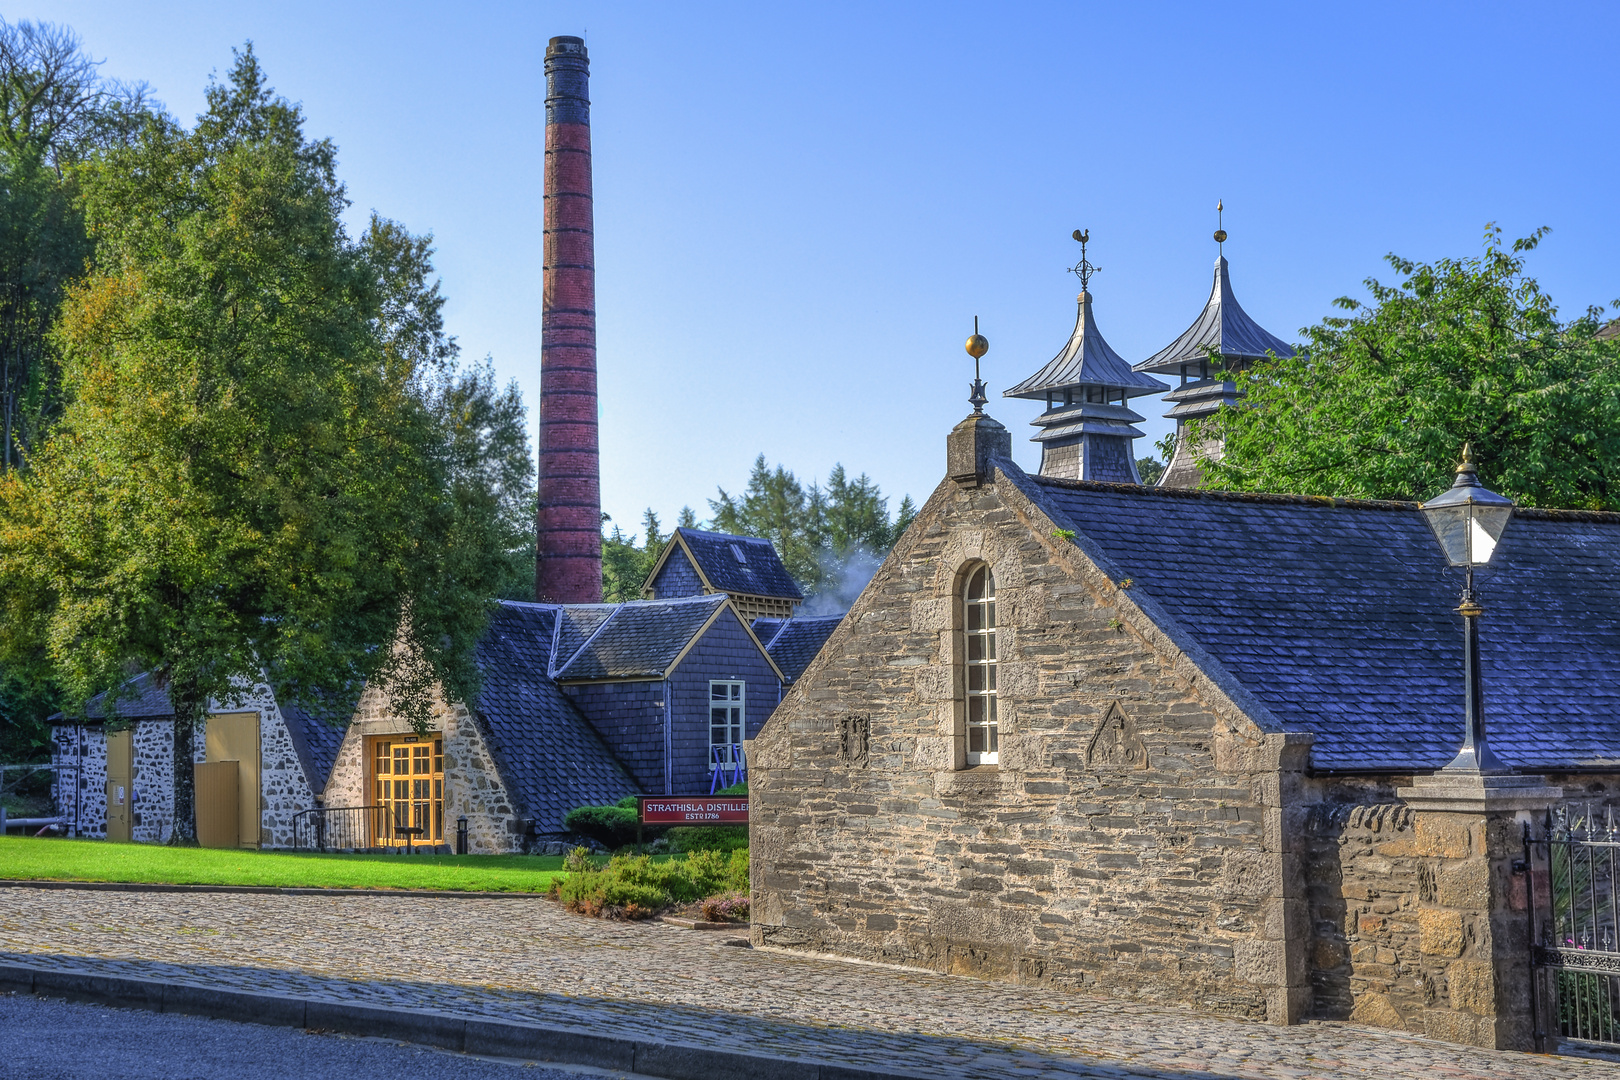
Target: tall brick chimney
x=568, y=521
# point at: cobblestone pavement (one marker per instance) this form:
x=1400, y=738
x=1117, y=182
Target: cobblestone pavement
x=527, y=960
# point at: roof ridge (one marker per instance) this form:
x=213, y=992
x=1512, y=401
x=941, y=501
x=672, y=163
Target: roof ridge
x=1283, y=498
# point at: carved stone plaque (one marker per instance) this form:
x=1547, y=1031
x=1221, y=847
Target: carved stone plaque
x=854, y=740
x=1115, y=744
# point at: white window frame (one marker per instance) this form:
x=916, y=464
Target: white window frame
x=728, y=696
x=979, y=655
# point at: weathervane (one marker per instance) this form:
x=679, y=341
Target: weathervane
x=1082, y=269
x=976, y=347
x=1220, y=233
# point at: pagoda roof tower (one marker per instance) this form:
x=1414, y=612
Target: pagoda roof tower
x=1086, y=431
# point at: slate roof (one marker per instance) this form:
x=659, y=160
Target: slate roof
x=794, y=642
x=139, y=698
x=316, y=734
x=759, y=572
x=1086, y=359
x=1222, y=326
x=1338, y=617
x=639, y=639
x=547, y=752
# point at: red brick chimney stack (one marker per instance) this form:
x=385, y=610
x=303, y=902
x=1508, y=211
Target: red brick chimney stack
x=568, y=525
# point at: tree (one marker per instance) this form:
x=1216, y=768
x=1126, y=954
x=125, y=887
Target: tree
x=55, y=111
x=1149, y=469
x=253, y=477
x=821, y=534
x=1380, y=402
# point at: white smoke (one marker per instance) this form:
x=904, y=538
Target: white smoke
x=842, y=579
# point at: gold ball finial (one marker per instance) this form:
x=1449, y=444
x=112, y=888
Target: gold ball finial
x=1220, y=236
x=977, y=346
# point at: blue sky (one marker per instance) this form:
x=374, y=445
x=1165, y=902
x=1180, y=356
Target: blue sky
x=801, y=208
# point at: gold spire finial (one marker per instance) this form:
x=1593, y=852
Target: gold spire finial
x=976, y=347
x=1468, y=459
x=1220, y=233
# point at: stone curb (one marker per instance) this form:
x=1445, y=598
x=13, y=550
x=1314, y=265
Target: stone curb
x=271, y=890
x=472, y=1035
x=703, y=924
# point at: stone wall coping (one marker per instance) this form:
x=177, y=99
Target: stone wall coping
x=1477, y=793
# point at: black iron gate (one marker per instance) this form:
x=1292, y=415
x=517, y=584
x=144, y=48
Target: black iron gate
x=1579, y=946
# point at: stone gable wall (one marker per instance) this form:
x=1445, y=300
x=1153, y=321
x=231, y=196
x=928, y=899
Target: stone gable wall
x=472, y=783
x=1131, y=840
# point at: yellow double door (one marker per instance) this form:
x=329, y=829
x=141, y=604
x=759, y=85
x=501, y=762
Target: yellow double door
x=408, y=785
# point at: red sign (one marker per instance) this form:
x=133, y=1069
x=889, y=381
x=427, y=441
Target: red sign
x=694, y=810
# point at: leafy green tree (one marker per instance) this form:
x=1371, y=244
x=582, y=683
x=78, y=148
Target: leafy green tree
x=1149, y=469
x=55, y=111
x=819, y=533
x=1380, y=401
x=253, y=477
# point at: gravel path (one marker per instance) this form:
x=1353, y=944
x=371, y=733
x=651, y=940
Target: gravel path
x=529, y=960
x=56, y=1040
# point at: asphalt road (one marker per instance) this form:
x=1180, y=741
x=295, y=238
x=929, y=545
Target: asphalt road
x=42, y=1039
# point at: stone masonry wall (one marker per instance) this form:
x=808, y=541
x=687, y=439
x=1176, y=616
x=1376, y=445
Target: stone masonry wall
x=1131, y=840
x=86, y=749
x=1420, y=918
x=152, y=819
x=472, y=784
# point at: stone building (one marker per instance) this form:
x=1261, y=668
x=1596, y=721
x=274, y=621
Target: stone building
x=580, y=704
x=1185, y=747
x=120, y=780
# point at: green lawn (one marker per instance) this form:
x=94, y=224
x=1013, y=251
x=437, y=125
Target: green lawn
x=97, y=860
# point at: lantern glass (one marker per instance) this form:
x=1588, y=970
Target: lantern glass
x=1468, y=519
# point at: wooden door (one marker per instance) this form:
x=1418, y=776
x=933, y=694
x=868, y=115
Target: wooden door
x=219, y=808
x=235, y=737
x=120, y=783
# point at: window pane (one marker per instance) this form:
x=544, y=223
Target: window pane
x=989, y=614
x=975, y=646
x=976, y=740
x=736, y=691
x=717, y=691
x=990, y=676
x=992, y=732
x=989, y=646
x=976, y=710
x=976, y=678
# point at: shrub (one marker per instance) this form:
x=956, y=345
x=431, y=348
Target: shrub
x=636, y=887
x=708, y=838
x=611, y=826
x=727, y=908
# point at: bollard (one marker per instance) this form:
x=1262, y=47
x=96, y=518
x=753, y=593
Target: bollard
x=461, y=835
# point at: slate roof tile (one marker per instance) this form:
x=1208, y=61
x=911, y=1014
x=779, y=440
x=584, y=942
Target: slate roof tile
x=794, y=642
x=759, y=573
x=641, y=638
x=547, y=752
x=1339, y=617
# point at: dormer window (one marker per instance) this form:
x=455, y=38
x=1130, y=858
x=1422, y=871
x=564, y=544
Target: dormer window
x=737, y=551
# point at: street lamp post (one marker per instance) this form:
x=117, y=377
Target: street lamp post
x=1468, y=520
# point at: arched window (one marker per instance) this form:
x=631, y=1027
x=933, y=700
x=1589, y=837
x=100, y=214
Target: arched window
x=979, y=619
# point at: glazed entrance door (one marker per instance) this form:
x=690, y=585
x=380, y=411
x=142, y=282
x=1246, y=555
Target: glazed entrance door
x=408, y=783
x=120, y=783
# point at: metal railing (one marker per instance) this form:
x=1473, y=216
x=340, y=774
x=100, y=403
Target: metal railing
x=343, y=828
x=1580, y=940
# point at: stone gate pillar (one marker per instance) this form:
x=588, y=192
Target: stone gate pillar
x=1473, y=929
